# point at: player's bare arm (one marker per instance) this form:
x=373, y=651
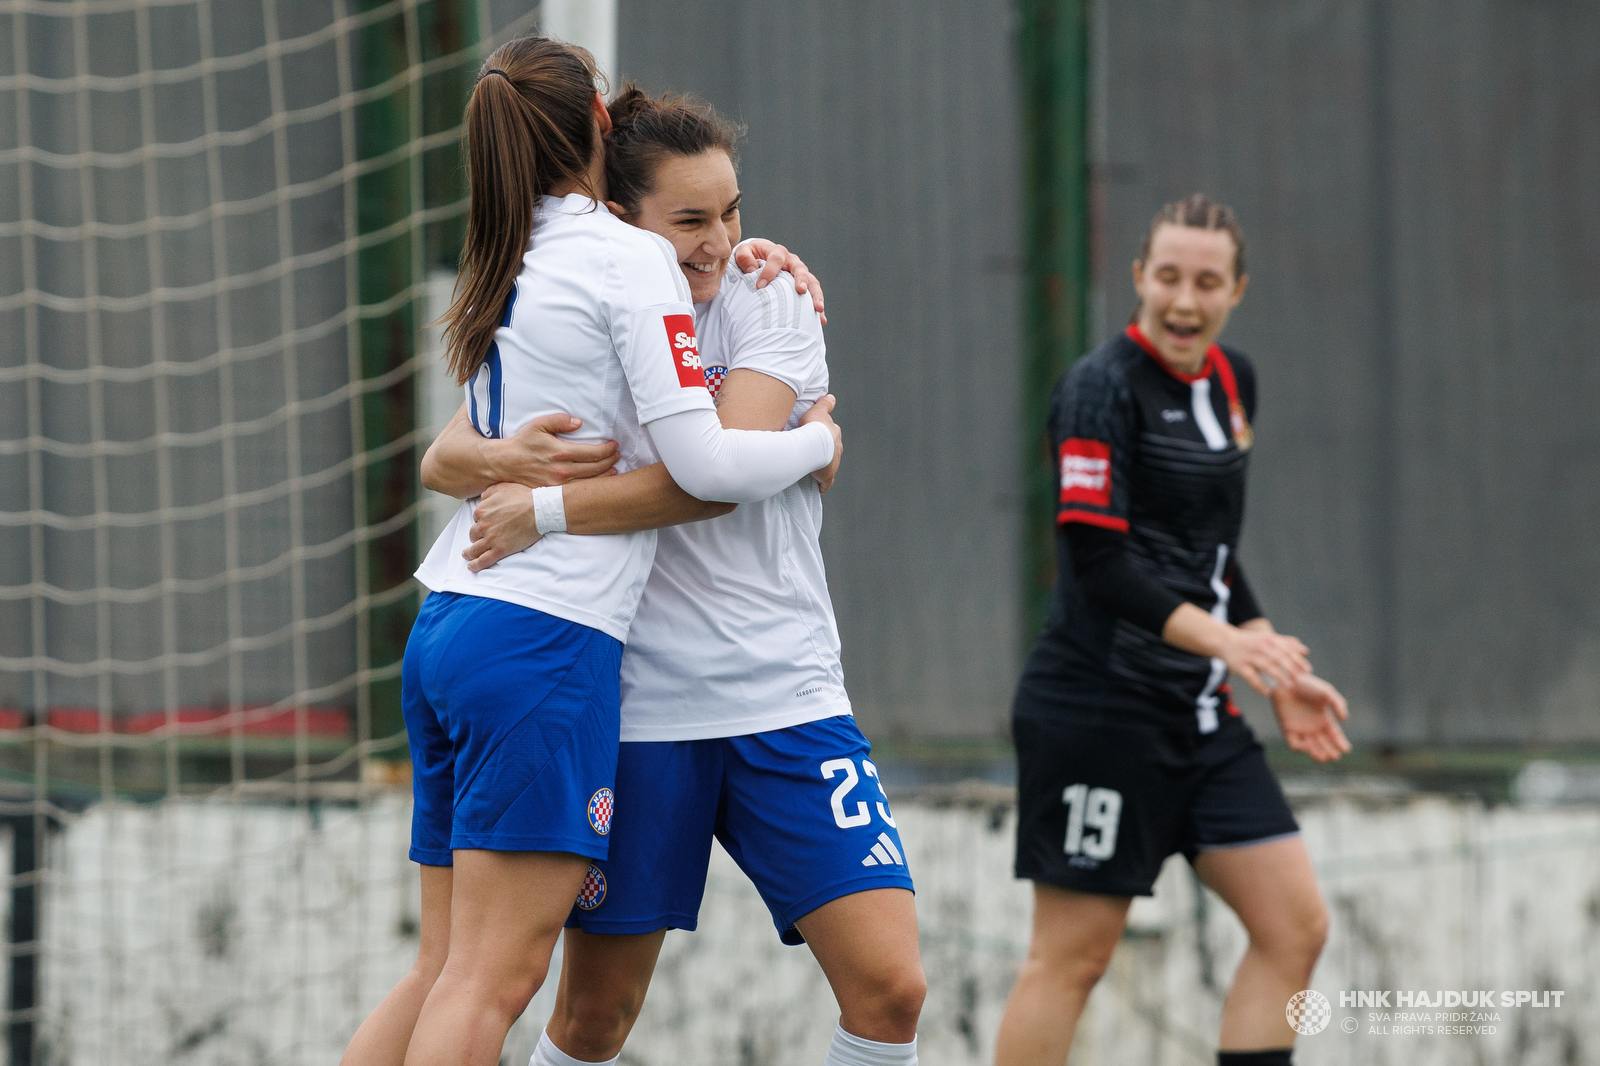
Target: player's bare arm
x=1262, y=657
x=505, y=522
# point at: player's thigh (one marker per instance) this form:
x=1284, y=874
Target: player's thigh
x=434, y=932
x=1075, y=933
x=1099, y=807
x=604, y=978
x=807, y=819
x=866, y=943
x=506, y=910
x=1272, y=887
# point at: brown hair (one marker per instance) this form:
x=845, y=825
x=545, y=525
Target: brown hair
x=1201, y=212
x=529, y=129
x=645, y=130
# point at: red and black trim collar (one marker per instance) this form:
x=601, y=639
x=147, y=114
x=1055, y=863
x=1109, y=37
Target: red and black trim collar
x=1214, y=360
x=1138, y=337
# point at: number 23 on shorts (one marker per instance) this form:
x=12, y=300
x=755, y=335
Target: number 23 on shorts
x=832, y=768
x=1098, y=810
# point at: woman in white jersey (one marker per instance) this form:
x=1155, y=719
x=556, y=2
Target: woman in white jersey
x=510, y=679
x=736, y=724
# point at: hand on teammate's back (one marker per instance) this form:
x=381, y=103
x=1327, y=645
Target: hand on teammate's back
x=502, y=525
x=822, y=411
x=774, y=258
x=534, y=456
x=1309, y=712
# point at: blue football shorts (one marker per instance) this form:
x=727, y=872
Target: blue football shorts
x=513, y=718
x=800, y=810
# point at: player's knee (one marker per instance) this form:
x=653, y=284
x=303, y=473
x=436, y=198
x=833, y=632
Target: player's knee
x=1313, y=933
x=1296, y=941
x=430, y=963
x=1079, y=969
x=595, y=1023
x=1085, y=970
x=885, y=1004
x=515, y=991
x=507, y=990
x=900, y=1003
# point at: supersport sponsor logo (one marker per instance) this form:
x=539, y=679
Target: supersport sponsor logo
x=1086, y=472
x=685, y=350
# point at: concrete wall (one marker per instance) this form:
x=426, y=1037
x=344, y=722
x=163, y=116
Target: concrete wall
x=209, y=933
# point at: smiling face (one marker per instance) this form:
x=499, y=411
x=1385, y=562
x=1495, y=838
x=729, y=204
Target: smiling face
x=695, y=205
x=1186, y=289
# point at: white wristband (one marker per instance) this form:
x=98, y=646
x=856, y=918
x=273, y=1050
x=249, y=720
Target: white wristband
x=549, y=510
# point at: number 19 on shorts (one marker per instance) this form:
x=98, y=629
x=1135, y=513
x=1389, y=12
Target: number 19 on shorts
x=1092, y=818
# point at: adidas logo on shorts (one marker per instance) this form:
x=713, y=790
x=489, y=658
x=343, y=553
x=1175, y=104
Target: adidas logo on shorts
x=884, y=853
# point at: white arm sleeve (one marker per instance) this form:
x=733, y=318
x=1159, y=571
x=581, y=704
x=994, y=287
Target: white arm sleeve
x=736, y=465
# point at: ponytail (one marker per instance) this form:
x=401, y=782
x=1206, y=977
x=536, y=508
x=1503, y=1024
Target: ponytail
x=529, y=129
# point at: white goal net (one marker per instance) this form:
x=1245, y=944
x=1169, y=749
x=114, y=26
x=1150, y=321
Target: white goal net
x=219, y=223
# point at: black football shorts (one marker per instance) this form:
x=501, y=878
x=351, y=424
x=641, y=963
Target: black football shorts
x=1100, y=807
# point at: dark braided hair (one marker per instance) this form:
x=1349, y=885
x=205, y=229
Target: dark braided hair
x=1200, y=212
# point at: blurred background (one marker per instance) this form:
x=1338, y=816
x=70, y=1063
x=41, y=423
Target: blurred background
x=225, y=225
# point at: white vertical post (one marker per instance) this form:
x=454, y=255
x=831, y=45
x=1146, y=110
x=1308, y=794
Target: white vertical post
x=591, y=24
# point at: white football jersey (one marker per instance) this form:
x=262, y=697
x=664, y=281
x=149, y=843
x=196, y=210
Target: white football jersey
x=599, y=326
x=735, y=633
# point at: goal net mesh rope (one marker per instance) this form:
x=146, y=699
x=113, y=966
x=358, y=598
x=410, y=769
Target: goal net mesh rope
x=220, y=223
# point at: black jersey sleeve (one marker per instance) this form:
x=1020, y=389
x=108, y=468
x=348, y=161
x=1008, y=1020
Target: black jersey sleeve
x=1094, y=430
x=1100, y=563
x=1242, y=605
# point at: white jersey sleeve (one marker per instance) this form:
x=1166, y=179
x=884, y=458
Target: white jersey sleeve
x=774, y=330
x=736, y=465
x=651, y=320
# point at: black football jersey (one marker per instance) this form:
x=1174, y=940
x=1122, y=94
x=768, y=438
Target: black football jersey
x=1160, y=456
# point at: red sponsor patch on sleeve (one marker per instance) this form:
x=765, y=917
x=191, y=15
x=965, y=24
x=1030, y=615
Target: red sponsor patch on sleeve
x=685, y=350
x=1086, y=472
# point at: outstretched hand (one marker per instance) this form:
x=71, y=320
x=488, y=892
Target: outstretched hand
x=822, y=411
x=773, y=258
x=1309, y=712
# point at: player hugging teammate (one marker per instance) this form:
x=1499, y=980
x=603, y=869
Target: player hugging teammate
x=510, y=683
x=1129, y=746
x=734, y=721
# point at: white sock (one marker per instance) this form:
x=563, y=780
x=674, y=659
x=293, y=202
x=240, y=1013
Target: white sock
x=848, y=1050
x=547, y=1054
